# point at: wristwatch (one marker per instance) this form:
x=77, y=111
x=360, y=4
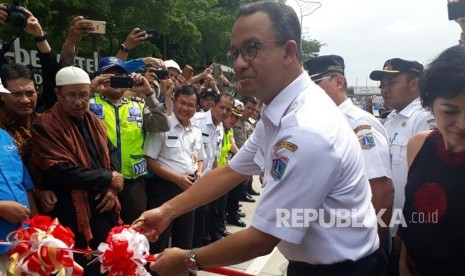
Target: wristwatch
x=123, y=49
x=41, y=38
x=191, y=262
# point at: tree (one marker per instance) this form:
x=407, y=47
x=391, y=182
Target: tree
x=310, y=48
x=195, y=32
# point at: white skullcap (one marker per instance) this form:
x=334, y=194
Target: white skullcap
x=238, y=104
x=3, y=89
x=172, y=64
x=71, y=75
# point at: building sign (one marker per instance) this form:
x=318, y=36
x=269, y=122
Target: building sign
x=30, y=57
x=367, y=90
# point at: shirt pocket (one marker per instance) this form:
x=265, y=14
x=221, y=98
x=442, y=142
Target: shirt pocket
x=398, y=149
x=173, y=148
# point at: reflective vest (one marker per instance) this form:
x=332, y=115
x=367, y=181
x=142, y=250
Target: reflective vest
x=125, y=132
x=226, y=146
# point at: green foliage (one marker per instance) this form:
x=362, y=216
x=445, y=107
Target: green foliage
x=310, y=48
x=195, y=32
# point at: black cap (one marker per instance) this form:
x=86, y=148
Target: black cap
x=397, y=66
x=321, y=65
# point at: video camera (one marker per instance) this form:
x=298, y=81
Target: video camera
x=16, y=16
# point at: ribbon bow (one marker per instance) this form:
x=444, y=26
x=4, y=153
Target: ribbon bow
x=42, y=248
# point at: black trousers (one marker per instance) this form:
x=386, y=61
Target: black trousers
x=232, y=204
x=215, y=220
x=133, y=199
x=371, y=265
x=201, y=214
x=181, y=230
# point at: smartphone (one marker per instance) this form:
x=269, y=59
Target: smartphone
x=216, y=70
x=456, y=9
x=151, y=36
x=162, y=74
x=99, y=26
x=121, y=82
x=187, y=72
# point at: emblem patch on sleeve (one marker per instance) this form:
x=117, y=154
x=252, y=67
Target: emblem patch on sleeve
x=279, y=164
x=285, y=145
x=361, y=127
x=367, y=141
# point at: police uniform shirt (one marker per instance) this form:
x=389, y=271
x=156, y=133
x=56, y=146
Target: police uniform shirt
x=313, y=163
x=372, y=137
x=401, y=126
x=212, y=137
x=178, y=149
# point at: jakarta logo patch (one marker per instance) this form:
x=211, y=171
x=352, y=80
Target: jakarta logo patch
x=279, y=164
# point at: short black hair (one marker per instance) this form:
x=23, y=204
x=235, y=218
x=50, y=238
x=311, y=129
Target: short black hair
x=283, y=19
x=185, y=90
x=223, y=95
x=444, y=76
x=12, y=71
x=248, y=99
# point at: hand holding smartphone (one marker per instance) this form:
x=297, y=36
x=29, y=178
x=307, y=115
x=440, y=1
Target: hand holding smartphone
x=121, y=82
x=216, y=70
x=99, y=26
x=161, y=74
x=187, y=72
x=456, y=9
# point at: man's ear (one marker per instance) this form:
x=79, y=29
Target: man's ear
x=57, y=91
x=291, y=49
x=340, y=81
x=414, y=85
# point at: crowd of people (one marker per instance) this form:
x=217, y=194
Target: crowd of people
x=174, y=153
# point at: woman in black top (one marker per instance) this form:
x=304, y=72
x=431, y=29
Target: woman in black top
x=434, y=211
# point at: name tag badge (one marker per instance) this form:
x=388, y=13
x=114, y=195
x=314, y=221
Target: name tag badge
x=134, y=111
x=97, y=109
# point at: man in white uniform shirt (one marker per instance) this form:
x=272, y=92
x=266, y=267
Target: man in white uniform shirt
x=399, y=89
x=312, y=159
x=328, y=72
x=208, y=223
x=175, y=158
x=399, y=83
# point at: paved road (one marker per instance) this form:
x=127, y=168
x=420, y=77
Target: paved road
x=273, y=264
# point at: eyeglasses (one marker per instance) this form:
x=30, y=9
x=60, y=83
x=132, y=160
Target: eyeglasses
x=317, y=81
x=248, y=52
x=73, y=97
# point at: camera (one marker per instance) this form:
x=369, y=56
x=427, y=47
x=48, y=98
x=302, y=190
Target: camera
x=16, y=16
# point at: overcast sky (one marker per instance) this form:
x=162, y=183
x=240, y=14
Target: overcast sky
x=368, y=32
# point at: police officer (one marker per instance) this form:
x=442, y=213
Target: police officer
x=312, y=161
x=123, y=118
x=175, y=158
x=328, y=72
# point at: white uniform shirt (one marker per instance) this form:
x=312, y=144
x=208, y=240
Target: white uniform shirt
x=400, y=128
x=372, y=137
x=312, y=162
x=212, y=137
x=178, y=149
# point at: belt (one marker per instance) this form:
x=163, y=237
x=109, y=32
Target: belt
x=303, y=266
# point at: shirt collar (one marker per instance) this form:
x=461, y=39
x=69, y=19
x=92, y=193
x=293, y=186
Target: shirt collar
x=409, y=109
x=210, y=121
x=345, y=105
x=175, y=122
x=281, y=102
